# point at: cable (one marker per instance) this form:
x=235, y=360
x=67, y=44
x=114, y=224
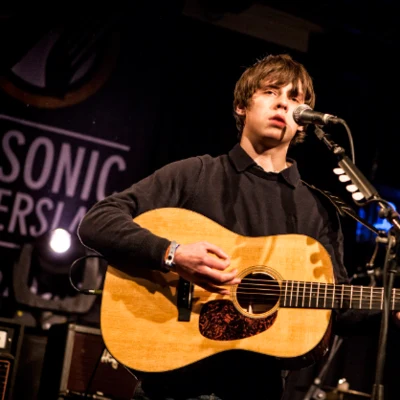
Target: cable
x=84, y=291
x=350, y=138
x=93, y=374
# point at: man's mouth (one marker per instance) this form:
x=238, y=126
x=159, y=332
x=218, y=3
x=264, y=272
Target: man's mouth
x=278, y=120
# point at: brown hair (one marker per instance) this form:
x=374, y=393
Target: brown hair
x=281, y=70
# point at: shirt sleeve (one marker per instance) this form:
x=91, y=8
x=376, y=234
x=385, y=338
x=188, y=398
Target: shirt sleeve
x=108, y=227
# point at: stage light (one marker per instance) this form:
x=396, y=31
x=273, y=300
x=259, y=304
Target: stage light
x=60, y=240
x=56, y=250
x=41, y=275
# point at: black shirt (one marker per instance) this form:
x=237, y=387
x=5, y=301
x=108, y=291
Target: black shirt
x=230, y=189
x=235, y=192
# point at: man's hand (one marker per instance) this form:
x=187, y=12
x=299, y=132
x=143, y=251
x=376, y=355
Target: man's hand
x=204, y=264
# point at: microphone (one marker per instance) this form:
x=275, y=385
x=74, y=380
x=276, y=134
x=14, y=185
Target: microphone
x=304, y=114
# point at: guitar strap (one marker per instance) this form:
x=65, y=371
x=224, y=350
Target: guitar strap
x=342, y=208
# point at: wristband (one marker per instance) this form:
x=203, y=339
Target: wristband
x=169, y=263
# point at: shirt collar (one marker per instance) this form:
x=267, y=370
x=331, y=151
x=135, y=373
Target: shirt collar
x=243, y=162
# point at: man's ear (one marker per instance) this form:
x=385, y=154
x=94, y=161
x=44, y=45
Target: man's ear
x=240, y=111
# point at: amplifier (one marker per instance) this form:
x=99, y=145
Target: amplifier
x=11, y=336
x=6, y=364
x=77, y=365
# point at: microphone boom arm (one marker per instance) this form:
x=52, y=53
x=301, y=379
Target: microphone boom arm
x=358, y=178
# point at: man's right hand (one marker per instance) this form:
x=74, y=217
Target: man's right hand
x=204, y=264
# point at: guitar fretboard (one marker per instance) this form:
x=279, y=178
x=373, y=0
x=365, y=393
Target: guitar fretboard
x=298, y=294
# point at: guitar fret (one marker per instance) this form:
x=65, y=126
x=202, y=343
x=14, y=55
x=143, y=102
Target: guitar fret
x=351, y=296
x=284, y=302
x=392, y=300
x=370, y=300
x=341, y=298
x=291, y=293
x=322, y=295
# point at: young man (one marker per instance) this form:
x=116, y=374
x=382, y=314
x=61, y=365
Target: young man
x=255, y=190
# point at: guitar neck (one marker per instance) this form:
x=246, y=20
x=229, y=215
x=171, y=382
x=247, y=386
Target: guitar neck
x=298, y=294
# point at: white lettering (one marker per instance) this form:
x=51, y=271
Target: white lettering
x=43, y=202
x=94, y=157
x=24, y=206
x=15, y=166
x=64, y=165
x=46, y=166
x=19, y=213
x=101, y=184
x=49, y=165
x=39, y=167
x=107, y=358
x=57, y=215
x=3, y=208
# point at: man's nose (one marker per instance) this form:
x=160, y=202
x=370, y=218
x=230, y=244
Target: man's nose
x=282, y=102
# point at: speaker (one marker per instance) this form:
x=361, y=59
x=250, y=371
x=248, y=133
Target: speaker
x=11, y=337
x=78, y=365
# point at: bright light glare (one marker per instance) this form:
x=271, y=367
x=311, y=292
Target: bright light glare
x=352, y=188
x=344, y=178
x=357, y=196
x=60, y=240
x=338, y=171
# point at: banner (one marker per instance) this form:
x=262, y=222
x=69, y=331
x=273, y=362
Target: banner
x=49, y=176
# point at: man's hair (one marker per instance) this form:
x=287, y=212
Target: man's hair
x=280, y=70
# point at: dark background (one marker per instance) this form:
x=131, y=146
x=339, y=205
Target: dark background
x=168, y=95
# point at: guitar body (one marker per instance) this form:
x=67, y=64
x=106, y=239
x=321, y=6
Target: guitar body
x=139, y=313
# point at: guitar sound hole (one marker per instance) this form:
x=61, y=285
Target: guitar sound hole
x=258, y=293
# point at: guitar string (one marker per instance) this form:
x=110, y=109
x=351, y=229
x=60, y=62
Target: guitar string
x=311, y=294
x=326, y=301
x=309, y=302
x=328, y=288
x=337, y=289
x=315, y=294
x=321, y=294
x=325, y=291
x=335, y=298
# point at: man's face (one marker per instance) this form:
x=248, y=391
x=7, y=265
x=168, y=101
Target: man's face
x=269, y=116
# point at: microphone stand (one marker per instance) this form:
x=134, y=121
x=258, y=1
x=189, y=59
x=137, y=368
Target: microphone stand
x=314, y=391
x=392, y=240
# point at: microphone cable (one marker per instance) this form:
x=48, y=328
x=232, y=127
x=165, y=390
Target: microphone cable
x=84, y=291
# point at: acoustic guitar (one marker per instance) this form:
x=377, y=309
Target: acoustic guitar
x=155, y=322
